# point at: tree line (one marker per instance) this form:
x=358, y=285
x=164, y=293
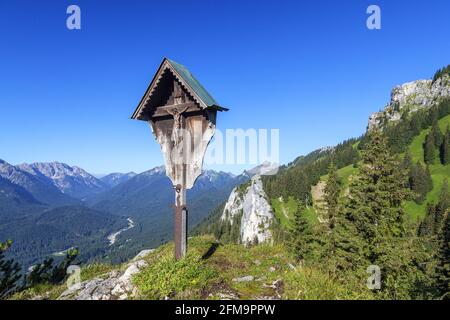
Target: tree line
x=12, y=279
x=441, y=72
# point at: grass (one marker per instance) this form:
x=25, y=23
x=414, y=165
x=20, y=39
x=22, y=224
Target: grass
x=311, y=215
x=96, y=270
x=313, y=284
x=210, y=269
x=47, y=291
x=285, y=210
x=438, y=172
x=345, y=175
x=166, y=277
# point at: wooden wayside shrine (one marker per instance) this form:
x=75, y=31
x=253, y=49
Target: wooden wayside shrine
x=182, y=116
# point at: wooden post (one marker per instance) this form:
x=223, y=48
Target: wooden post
x=180, y=222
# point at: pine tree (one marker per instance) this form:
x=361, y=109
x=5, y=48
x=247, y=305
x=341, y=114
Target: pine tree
x=444, y=197
x=300, y=235
x=420, y=182
x=9, y=272
x=442, y=206
x=235, y=233
x=343, y=248
x=331, y=197
x=377, y=195
x=47, y=272
x=428, y=180
x=375, y=209
x=443, y=266
x=407, y=162
x=437, y=134
x=445, y=149
x=427, y=225
x=429, y=149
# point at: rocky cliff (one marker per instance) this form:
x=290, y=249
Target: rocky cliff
x=410, y=97
x=250, y=201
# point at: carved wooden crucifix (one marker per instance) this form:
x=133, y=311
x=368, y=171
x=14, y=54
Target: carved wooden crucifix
x=182, y=115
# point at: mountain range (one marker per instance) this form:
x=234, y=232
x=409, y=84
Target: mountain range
x=46, y=208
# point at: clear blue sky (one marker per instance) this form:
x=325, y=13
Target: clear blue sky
x=68, y=95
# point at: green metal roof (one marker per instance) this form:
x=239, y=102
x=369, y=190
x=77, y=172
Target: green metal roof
x=191, y=83
x=195, y=85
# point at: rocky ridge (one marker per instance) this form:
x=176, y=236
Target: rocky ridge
x=411, y=97
x=73, y=181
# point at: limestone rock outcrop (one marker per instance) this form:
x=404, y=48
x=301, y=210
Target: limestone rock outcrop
x=250, y=201
x=411, y=97
x=115, y=285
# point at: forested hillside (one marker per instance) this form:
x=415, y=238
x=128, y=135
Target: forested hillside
x=345, y=205
x=405, y=139
x=379, y=200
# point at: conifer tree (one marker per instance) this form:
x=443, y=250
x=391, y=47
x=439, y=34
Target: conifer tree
x=420, y=182
x=445, y=149
x=426, y=228
x=429, y=149
x=331, y=197
x=437, y=134
x=444, y=197
x=375, y=208
x=300, y=234
x=407, y=161
x=9, y=272
x=442, y=206
x=47, y=272
x=377, y=195
x=343, y=249
x=443, y=266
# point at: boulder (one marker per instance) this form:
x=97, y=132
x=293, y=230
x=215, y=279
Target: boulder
x=115, y=285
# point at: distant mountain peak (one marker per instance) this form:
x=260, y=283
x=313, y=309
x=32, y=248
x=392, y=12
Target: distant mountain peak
x=73, y=181
x=155, y=170
x=265, y=168
x=212, y=175
x=115, y=178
